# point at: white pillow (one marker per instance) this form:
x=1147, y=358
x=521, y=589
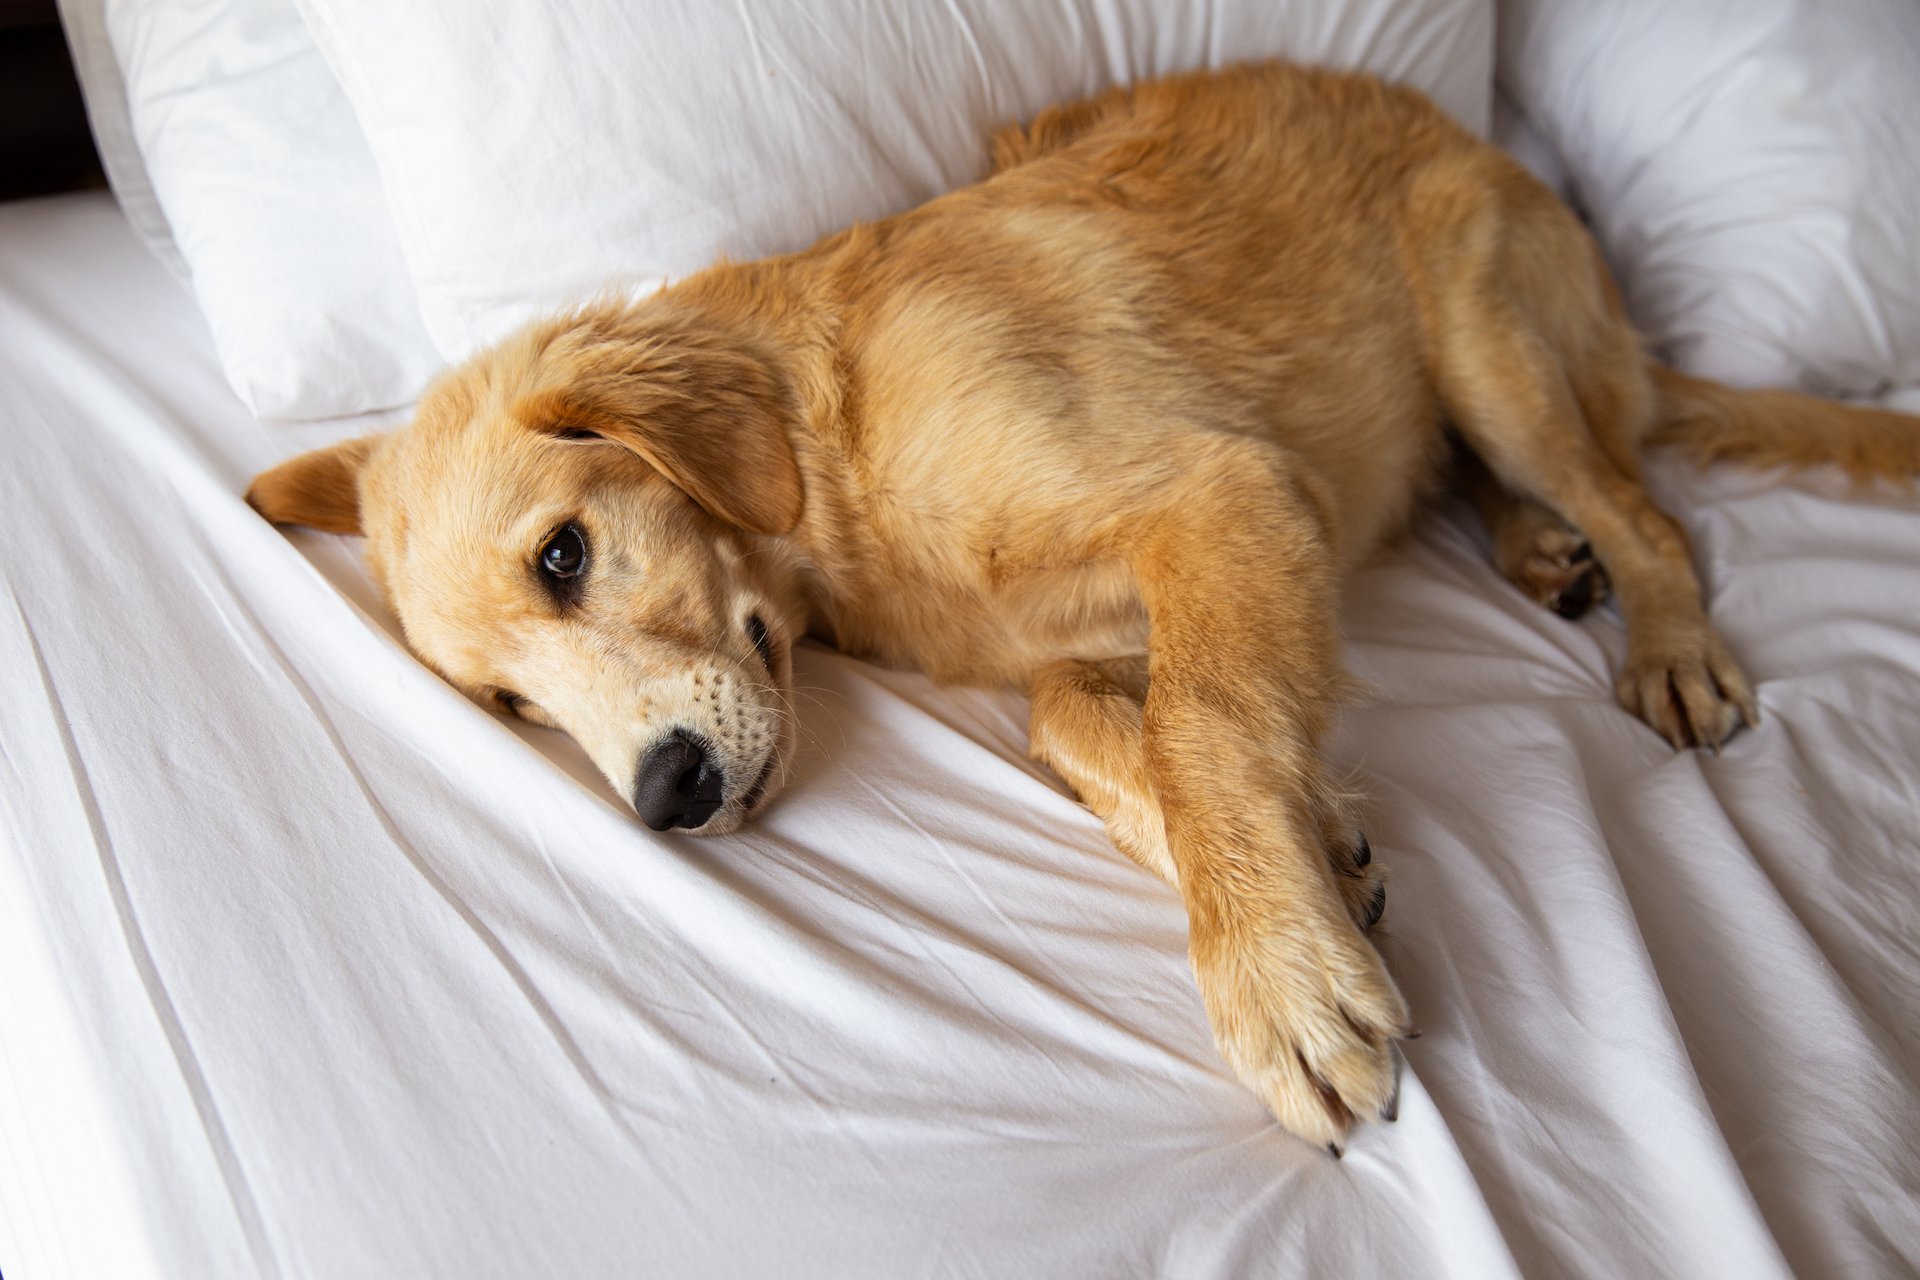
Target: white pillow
x=534, y=153
x=105, y=95
x=1513, y=133
x=1751, y=167
x=269, y=194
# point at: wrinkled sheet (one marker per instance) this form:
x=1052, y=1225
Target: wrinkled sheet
x=309, y=967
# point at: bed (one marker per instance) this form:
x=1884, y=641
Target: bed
x=308, y=966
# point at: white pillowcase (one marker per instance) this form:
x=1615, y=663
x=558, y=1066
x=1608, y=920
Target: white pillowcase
x=269, y=195
x=1751, y=167
x=534, y=153
x=1513, y=133
x=105, y=95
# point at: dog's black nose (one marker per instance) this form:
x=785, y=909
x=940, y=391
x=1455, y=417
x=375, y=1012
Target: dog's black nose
x=678, y=786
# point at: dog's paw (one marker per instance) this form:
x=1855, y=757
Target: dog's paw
x=1689, y=689
x=1553, y=565
x=1362, y=882
x=1306, y=1016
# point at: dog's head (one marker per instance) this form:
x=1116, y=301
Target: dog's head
x=583, y=527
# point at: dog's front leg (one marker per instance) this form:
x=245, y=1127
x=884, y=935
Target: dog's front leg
x=1236, y=572
x=1086, y=726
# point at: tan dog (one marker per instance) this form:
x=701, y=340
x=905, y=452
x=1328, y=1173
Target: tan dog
x=1107, y=426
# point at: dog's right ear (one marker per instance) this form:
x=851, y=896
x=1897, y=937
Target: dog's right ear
x=319, y=489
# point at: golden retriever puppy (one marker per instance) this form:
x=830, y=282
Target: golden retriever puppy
x=1107, y=426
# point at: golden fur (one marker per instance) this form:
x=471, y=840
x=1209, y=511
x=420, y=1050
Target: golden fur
x=1107, y=426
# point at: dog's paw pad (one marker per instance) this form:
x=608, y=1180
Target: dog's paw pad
x=1561, y=573
x=1573, y=600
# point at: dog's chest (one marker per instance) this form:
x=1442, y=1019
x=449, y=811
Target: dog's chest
x=981, y=625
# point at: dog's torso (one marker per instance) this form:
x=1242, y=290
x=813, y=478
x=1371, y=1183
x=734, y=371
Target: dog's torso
x=996, y=378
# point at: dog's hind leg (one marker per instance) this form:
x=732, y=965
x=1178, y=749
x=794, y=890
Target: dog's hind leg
x=1512, y=404
x=1549, y=560
x=1086, y=727
x=1507, y=388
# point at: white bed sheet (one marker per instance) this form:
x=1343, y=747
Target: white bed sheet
x=308, y=967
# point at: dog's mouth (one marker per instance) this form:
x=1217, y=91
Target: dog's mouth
x=758, y=791
x=774, y=656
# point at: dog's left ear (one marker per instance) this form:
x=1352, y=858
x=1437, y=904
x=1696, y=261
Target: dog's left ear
x=703, y=408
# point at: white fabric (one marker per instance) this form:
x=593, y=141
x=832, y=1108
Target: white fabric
x=105, y=94
x=534, y=153
x=310, y=967
x=253, y=169
x=1513, y=133
x=1750, y=167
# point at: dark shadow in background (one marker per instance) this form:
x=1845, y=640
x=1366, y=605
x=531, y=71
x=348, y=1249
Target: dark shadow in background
x=44, y=142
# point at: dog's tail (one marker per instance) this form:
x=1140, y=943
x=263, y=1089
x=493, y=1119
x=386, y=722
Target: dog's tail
x=1782, y=429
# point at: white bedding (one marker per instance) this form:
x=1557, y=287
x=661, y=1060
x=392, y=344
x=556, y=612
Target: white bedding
x=308, y=967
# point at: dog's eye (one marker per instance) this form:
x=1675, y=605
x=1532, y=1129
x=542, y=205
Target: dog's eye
x=564, y=559
x=566, y=555
x=511, y=702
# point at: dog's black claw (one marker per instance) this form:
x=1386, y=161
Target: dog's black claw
x=1375, y=906
x=1333, y=1149
x=1391, y=1111
x=1576, y=599
x=1364, y=854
